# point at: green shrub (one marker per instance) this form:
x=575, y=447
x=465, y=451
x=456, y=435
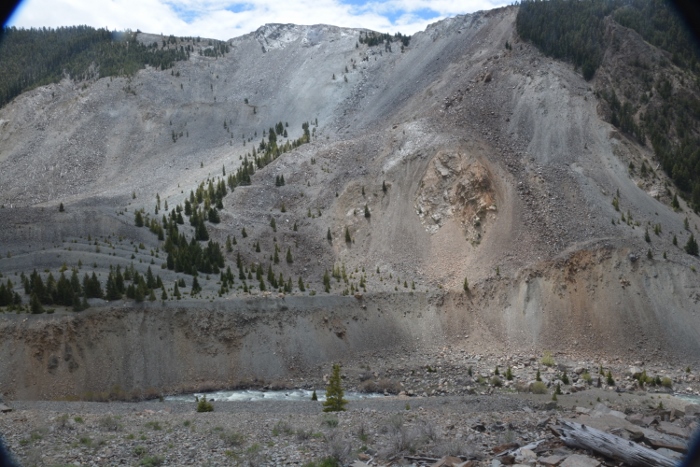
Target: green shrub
x=232, y=438
x=586, y=376
x=666, y=382
x=330, y=421
x=204, y=406
x=151, y=461
x=547, y=359
x=538, y=387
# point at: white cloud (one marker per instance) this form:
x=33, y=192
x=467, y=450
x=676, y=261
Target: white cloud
x=224, y=19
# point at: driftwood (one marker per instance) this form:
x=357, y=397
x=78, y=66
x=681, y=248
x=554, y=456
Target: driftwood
x=661, y=440
x=583, y=437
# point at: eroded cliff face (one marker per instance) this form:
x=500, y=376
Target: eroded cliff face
x=132, y=352
x=457, y=187
x=577, y=304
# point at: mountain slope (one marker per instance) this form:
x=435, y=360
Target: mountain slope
x=473, y=161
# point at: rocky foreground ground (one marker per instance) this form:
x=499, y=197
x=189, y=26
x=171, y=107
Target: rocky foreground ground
x=439, y=416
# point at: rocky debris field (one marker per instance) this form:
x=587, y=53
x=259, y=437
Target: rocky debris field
x=434, y=414
x=494, y=430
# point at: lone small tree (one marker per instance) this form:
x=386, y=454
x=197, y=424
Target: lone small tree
x=334, y=393
x=691, y=247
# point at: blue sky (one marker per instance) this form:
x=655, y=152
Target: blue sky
x=223, y=19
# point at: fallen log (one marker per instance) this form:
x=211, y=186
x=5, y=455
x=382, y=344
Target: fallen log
x=613, y=447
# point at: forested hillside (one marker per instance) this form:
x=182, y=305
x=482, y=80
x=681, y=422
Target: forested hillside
x=35, y=57
x=663, y=112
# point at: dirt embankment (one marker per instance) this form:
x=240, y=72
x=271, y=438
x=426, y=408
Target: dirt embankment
x=167, y=349
x=579, y=304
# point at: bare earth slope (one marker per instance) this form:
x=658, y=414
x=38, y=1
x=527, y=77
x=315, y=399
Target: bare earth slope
x=474, y=161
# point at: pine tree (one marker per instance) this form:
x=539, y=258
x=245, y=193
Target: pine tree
x=314, y=397
x=674, y=203
x=326, y=281
x=609, y=379
x=691, y=246
x=290, y=260
x=301, y=284
x=273, y=224
x=112, y=292
x=196, y=288
x=35, y=304
x=367, y=213
x=384, y=186
x=61, y=208
x=140, y=293
x=329, y=236
x=138, y=219
x=335, y=401
x=348, y=238
x=465, y=285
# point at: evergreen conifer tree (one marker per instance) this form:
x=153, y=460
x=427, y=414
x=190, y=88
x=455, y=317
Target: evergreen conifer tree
x=335, y=401
x=35, y=304
x=691, y=246
x=196, y=288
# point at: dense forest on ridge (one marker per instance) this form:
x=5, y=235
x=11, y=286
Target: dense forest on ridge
x=666, y=115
